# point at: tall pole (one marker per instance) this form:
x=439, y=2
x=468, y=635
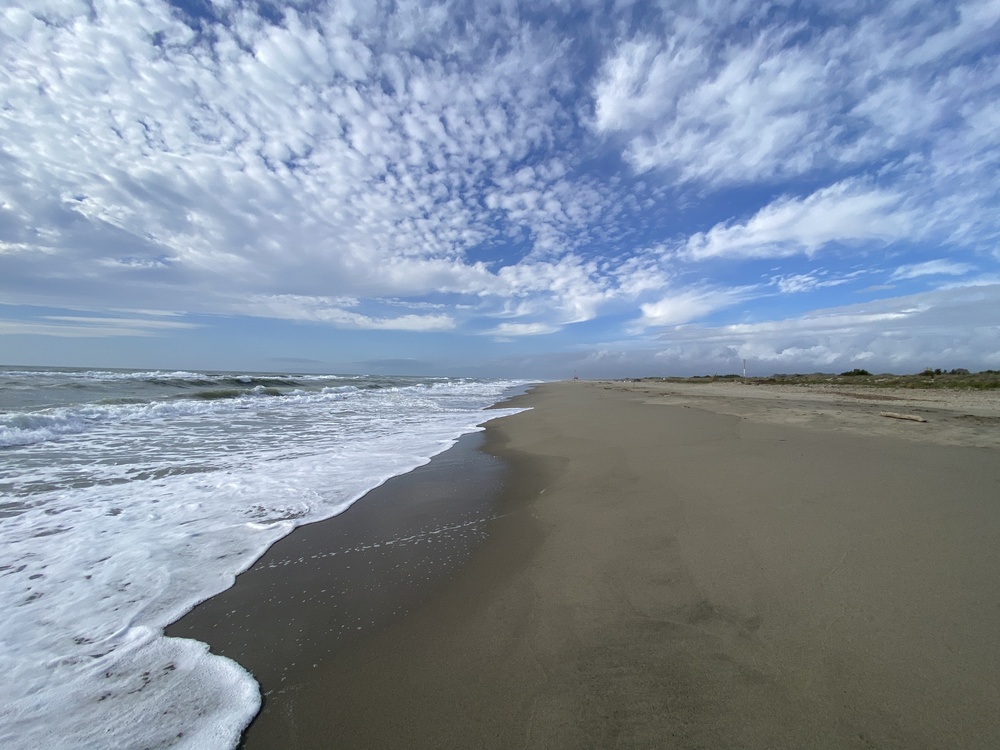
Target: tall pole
x=744, y=368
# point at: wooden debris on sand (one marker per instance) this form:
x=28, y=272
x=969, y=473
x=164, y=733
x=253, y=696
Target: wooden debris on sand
x=897, y=415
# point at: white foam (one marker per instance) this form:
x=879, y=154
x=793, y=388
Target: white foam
x=28, y=428
x=108, y=374
x=93, y=570
x=25, y=428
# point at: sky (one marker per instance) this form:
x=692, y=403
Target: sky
x=612, y=189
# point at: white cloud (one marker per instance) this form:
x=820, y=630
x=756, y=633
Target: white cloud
x=82, y=326
x=957, y=328
x=903, y=334
x=11, y=248
x=334, y=311
x=571, y=287
x=737, y=97
x=683, y=306
x=126, y=322
x=806, y=282
x=847, y=212
x=938, y=267
x=522, y=329
x=337, y=152
x=402, y=323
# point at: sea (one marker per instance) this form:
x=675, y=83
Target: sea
x=127, y=497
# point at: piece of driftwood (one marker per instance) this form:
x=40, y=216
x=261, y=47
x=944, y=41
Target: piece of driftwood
x=897, y=415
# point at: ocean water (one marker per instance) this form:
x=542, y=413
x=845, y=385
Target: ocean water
x=128, y=497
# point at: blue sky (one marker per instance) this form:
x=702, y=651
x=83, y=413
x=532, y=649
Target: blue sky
x=613, y=188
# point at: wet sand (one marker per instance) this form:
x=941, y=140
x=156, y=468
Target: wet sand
x=675, y=567
x=330, y=584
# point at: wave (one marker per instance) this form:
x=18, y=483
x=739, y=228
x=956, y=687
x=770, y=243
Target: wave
x=225, y=393
x=28, y=428
x=168, y=378
x=106, y=374
x=210, y=394
x=236, y=381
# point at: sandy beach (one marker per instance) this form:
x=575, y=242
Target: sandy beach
x=659, y=566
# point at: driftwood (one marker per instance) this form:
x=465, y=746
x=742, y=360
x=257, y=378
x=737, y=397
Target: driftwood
x=897, y=415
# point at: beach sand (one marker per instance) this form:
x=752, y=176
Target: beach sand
x=666, y=566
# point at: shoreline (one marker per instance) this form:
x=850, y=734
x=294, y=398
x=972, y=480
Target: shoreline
x=693, y=569
x=328, y=584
